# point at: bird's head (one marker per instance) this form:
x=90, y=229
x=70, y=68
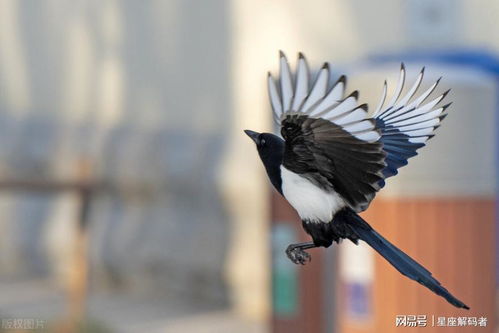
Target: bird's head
x=269, y=146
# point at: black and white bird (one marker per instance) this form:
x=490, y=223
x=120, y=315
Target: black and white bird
x=335, y=157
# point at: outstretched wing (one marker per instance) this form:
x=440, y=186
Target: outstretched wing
x=329, y=139
x=297, y=96
x=406, y=125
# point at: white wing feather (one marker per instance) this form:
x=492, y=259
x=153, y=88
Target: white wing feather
x=413, y=119
x=409, y=117
x=318, y=101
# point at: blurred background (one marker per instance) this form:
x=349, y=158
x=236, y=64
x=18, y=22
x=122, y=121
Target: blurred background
x=131, y=200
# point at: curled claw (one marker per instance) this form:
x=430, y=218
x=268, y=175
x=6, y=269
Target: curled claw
x=297, y=255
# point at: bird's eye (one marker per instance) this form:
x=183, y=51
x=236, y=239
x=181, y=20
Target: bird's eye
x=262, y=142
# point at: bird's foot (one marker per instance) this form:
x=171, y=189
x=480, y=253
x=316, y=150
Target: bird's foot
x=297, y=255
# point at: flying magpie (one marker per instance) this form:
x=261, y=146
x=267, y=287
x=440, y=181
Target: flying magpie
x=334, y=157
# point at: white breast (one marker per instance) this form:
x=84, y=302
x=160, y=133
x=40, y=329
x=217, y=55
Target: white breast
x=311, y=202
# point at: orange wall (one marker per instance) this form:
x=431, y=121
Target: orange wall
x=455, y=240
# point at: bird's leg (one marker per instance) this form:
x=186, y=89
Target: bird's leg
x=296, y=253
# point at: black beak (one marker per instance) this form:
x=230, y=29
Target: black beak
x=253, y=135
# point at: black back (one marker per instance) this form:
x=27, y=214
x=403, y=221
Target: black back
x=333, y=158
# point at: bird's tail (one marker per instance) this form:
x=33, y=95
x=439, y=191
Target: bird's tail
x=401, y=261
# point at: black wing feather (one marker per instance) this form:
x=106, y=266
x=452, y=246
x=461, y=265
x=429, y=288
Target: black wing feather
x=318, y=148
